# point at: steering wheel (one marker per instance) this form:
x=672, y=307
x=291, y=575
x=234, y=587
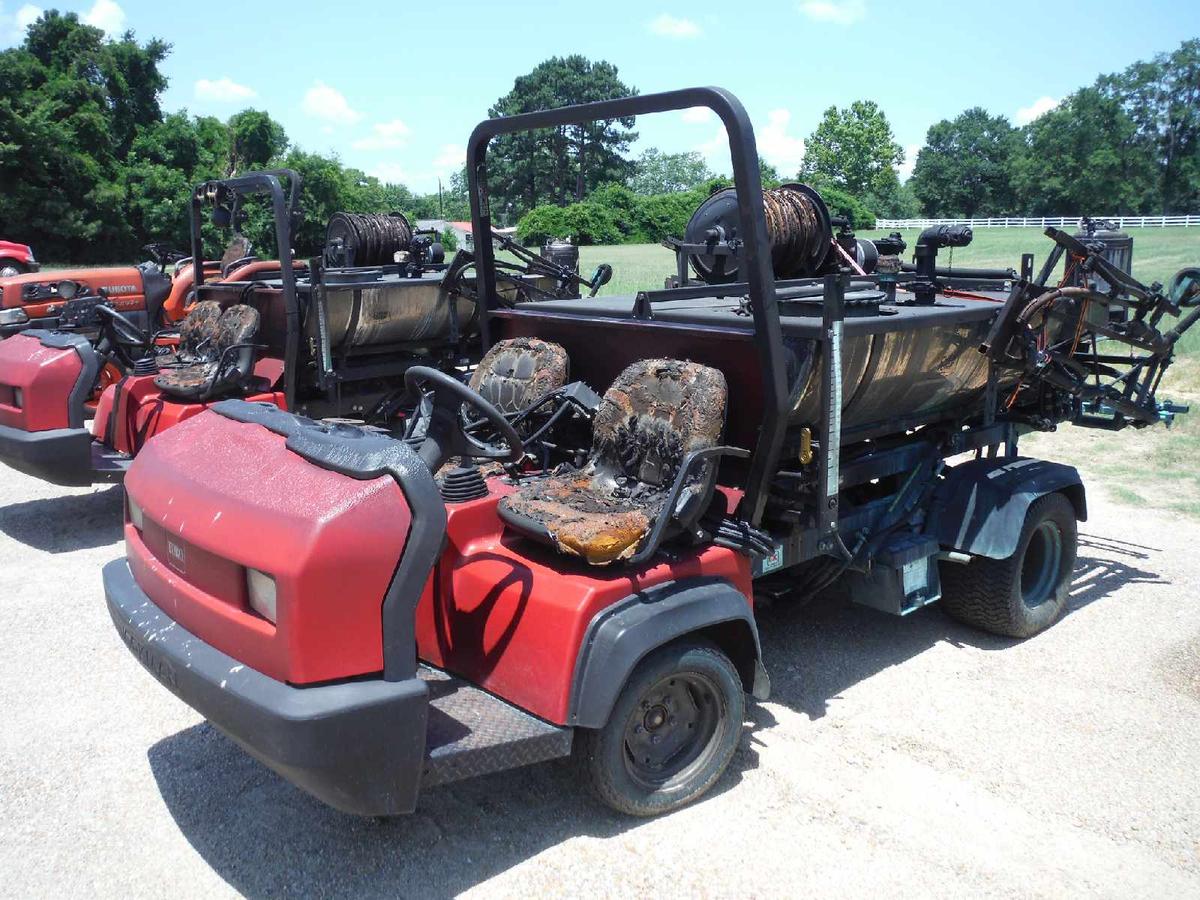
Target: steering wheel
x=445, y=435
x=122, y=333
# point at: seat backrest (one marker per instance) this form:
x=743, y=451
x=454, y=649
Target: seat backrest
x=516, y=372
x=656, y=412
x=198, y=330
x=239, y=248
x=238, y=325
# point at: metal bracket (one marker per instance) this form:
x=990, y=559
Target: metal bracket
x=831, y=401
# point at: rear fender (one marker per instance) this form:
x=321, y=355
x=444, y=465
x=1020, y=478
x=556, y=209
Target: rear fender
x=980, y=506
x=622, y=635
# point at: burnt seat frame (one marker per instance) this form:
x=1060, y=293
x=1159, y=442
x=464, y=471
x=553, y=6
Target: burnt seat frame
x=754, y=265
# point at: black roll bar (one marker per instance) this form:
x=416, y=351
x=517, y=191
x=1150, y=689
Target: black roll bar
x=755, y=263
x=284, y=212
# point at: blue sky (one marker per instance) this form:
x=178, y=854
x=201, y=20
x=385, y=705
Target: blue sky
x=396, y=88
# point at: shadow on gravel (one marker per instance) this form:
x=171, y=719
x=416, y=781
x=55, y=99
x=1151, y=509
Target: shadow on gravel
x=817, y=650
x=63, y=524
x=266, y=838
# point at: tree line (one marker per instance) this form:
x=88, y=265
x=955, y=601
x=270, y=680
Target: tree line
x=92, y=167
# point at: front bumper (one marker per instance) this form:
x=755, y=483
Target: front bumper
x=358, y=746
x=60, y=456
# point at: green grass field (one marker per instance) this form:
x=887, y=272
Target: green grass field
x=1154, y=467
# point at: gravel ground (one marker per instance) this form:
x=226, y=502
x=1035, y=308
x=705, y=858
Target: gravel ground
x=897, y=757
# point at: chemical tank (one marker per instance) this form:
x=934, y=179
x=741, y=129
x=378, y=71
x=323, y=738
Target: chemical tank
x=378, y=309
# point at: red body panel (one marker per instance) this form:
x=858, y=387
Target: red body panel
x=511, y=615
x=20, y=252
x=126, y=292
x=499, y=611
x=229, y=495
x=144, y=412
x=45, y=376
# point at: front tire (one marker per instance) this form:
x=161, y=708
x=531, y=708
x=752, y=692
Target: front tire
x=1024, y=593
x=10, y=268
x=671, y=733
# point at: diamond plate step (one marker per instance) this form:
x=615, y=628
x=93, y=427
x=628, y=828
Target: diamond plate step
x=471, y=732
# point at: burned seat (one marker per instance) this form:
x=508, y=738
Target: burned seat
x=215, y=355
x=517, y=372
x=513, y=376
x=650, y=473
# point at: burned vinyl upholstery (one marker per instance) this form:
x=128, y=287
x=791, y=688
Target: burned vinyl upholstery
x=219, y=362
x=516, y=372
x=656, y=412
x=511, y=376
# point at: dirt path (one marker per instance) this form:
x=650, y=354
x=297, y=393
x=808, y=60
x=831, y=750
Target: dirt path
x=897, y=757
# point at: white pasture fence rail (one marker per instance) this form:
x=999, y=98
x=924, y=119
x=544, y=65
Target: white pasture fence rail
x=1190, y=221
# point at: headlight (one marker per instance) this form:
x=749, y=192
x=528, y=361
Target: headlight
x=13, y=317
x=261, y=588
x=135, y=512
x=19, y=398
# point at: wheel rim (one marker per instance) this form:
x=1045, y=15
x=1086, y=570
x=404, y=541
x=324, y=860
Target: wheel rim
x=673, y=731
x=1041, y=566
x=9, y=272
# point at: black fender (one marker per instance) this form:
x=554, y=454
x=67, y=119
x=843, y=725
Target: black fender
x=980, y=505
x=621, y=635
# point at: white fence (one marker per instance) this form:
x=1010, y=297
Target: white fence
x=1045, y=222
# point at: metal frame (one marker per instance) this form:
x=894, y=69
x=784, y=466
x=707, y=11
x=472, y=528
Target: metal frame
x=284, y=212
x=756, y=268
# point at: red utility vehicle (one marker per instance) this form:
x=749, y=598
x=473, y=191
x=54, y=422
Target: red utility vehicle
x=16, y=259
x=371, y=616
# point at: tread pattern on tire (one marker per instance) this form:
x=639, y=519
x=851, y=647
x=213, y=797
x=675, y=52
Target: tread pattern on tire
x=985, y=593
x=600, y=780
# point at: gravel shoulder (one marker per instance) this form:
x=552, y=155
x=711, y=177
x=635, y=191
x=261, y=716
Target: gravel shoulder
x=897, y=757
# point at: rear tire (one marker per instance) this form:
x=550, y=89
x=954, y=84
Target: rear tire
x=671, y=733
x=1024, y=593
x=10, y=268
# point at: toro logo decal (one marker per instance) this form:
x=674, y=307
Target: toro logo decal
x=177, y=557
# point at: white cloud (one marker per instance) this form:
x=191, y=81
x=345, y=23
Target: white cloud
x=845, y=12
x=385, y=136
x=12, y=26
x=107, y=16
x=905, y=170
x=775, y=145
x=668, y=26
x=782, y=150
x=223, y=90
x=697, y=115
x=27, y=15
x=390, y=173
x=716, y=149
x=1038, y=108
x=323, y=102
x=450, y=159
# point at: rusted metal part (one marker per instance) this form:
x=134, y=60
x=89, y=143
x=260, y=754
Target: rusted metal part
x=794, y=228
x=655, y=412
